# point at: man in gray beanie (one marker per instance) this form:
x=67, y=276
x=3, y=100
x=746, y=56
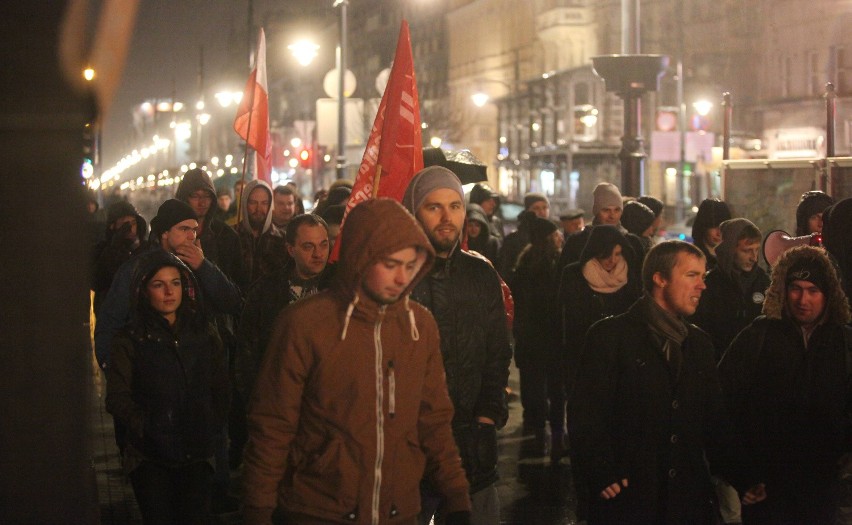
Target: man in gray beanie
x=607, y=207
x=463, y=292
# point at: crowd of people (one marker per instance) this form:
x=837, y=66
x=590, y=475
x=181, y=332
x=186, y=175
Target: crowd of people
x=685, y=382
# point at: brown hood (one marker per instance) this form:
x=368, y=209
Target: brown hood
x=836, y=306
x=374, y=229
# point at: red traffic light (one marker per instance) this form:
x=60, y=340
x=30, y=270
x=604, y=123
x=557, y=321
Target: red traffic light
x=306, y=156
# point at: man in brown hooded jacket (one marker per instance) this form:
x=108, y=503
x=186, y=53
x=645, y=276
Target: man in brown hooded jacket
x=350, y=409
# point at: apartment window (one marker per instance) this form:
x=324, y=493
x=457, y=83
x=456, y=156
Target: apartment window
x=844, y=70
x=814, y=74
x=785, y=64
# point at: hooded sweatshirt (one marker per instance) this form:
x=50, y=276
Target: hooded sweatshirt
x=485, y=243
x=266, y=253
x=345, y=421
x=733, y=298
x=219, y=241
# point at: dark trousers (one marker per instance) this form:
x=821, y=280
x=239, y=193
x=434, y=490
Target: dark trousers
x=543, y=393
x=169, y=495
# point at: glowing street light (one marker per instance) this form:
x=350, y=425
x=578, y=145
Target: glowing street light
x=480, y=98
x=304, y=51
x=702, y=107
x=226, y=98
x=89, y=74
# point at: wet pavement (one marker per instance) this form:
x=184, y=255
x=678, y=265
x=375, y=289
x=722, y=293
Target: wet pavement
x=531, y=490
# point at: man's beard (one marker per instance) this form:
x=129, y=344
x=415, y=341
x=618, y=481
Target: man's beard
x=445, y=244
x=257, y=222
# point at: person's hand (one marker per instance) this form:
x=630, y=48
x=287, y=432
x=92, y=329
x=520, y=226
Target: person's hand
x=756, y=494
x=191, y=253
x=613, y=490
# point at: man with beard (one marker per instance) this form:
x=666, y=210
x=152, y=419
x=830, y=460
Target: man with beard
x=261, y=242
x=607, y=209
x=463, y=293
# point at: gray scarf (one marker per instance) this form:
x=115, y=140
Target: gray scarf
x=670, y=331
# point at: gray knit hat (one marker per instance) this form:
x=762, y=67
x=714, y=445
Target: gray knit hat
x=605, y=195
x=425, y=182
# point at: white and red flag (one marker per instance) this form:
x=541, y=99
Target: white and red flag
x=252, y=121
x=394, y=150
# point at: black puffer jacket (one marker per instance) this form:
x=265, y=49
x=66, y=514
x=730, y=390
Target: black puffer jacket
x=464, y=295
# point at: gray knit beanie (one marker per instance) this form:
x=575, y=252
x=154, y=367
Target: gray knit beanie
x=605, y=195
x=425, y=182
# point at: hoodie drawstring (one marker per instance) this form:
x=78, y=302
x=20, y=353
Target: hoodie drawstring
x=349, y=310
x=415, y=334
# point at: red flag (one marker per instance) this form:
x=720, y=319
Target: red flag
x=252, y=121
x=394, y=150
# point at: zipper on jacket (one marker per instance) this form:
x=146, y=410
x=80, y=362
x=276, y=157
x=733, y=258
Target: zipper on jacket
x=380, y=430
x=391, y=390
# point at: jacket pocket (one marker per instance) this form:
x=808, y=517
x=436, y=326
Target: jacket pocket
x=326, y=478
x=404, y=475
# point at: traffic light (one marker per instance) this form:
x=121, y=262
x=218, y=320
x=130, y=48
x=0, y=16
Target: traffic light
x=89, y=143
x=306, y=158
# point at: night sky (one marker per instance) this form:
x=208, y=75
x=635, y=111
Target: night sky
x=165, y=52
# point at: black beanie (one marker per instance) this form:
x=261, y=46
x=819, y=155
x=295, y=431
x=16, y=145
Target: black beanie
x=170, y=213
x=637, y=217
x=811, y=203
x=540, y=229
x=654, y=203
x=808, y=269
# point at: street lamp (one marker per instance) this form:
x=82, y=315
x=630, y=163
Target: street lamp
x=480, y=97
x=304, y=51
x=702, y=107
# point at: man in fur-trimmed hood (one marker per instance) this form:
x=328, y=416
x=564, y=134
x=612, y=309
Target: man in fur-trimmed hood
x=785, y=378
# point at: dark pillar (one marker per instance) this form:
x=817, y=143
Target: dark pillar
x=46, y=472
x=630, y=76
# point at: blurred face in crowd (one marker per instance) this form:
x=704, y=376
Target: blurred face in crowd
x=310, y=253
x=679, y=293
x=815, y=223
x=570, y=226
x=713, y=237
x=805, y=303
x=387, y=279
x=610, y=215
x=224, y=202
x=442, y=217
x=474, y=228
x=179, y=234
x=164, y=292
x=658, y=221
x=128, y=222
x=257, y=207
x=488, y=206
x=541, y=209
x=746, y=254
x=556, y=240
x=284, y=209
x=200, y=201
x=238, y=189
x=611, y=261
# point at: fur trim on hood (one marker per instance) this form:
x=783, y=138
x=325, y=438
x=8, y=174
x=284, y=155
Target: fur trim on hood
x=836, y=305
x=244, y=218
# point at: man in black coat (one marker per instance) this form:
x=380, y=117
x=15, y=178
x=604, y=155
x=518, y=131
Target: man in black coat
x=736, y=287
x=463, y=292
x=786, y=384
x=646, y=411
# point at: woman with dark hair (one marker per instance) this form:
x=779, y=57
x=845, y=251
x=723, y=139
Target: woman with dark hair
x=167, y=383
x=536, y=331
x=706, y=234
x=600, y=284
